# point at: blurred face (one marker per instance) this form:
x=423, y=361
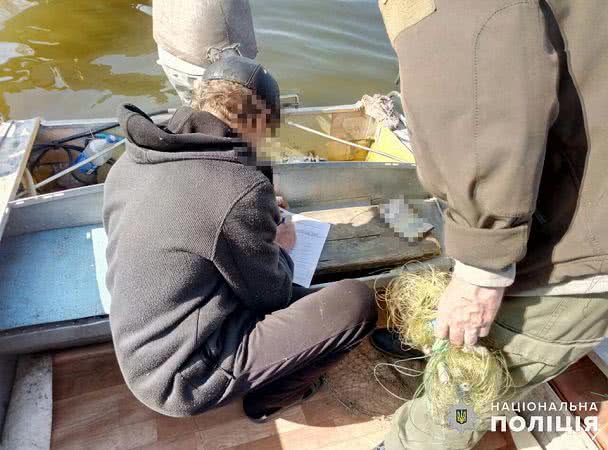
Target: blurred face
x=255, y=127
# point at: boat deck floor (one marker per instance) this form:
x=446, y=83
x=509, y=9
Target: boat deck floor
x=93, y=409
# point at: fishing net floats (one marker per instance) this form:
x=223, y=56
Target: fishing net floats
x=477, y=376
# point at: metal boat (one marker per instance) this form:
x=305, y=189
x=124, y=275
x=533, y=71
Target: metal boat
x=49, y=277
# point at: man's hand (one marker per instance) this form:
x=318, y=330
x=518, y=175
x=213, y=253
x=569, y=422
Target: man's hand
x=286, y=231
x=286, y=235
x=281, y=202
x=466, y=312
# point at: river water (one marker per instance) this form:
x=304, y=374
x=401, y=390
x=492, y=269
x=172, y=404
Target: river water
x=72, y=58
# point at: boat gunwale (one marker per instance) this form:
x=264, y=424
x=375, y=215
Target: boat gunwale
x=306, y=110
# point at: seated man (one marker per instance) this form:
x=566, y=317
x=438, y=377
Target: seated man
x=203, y=308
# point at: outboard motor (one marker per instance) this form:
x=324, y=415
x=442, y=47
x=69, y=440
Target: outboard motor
x=192, y=34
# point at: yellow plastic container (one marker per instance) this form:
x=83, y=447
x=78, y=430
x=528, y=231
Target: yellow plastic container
x=390, y=144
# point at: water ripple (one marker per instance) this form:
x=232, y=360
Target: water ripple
x=70, y=58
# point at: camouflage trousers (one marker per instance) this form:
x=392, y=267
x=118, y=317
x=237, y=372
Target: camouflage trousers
x=539, y=336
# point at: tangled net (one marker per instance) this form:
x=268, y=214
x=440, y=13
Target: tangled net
x=477, y=376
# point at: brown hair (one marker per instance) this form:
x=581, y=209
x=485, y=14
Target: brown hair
x=230, y=101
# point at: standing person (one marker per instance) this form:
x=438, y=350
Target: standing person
x=507, y=102
x=203, y=307
x=191, y=33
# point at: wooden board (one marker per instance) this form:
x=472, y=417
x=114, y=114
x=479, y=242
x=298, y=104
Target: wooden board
x=359, y=239
x=93, y=409
x=16, y=140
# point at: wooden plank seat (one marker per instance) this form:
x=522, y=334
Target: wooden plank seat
x=360, y=239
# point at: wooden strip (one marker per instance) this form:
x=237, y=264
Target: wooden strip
x=381, y=280
x=169, y=429
x=309, y=438
x=72, y=376
x=16, y=140
x=185, y=441
x=80, y=353
x=241, y=430
x=97, y=409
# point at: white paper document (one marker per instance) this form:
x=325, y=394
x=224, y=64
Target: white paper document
x=311, y=235
x=100, y=242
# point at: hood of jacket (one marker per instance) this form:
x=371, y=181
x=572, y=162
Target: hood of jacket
x=188, y=135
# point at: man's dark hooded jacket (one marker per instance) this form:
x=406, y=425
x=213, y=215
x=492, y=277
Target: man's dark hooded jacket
x=192, y=257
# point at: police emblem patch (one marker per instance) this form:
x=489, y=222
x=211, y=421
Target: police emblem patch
x=461, y=417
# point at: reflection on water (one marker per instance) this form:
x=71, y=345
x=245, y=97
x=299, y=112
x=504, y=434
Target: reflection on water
x=69, y=58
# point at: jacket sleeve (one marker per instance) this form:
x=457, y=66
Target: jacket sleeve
x=253, y=264
x=480, y=94
x=483, y=277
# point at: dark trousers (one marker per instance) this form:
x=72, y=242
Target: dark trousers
x=291, y=348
